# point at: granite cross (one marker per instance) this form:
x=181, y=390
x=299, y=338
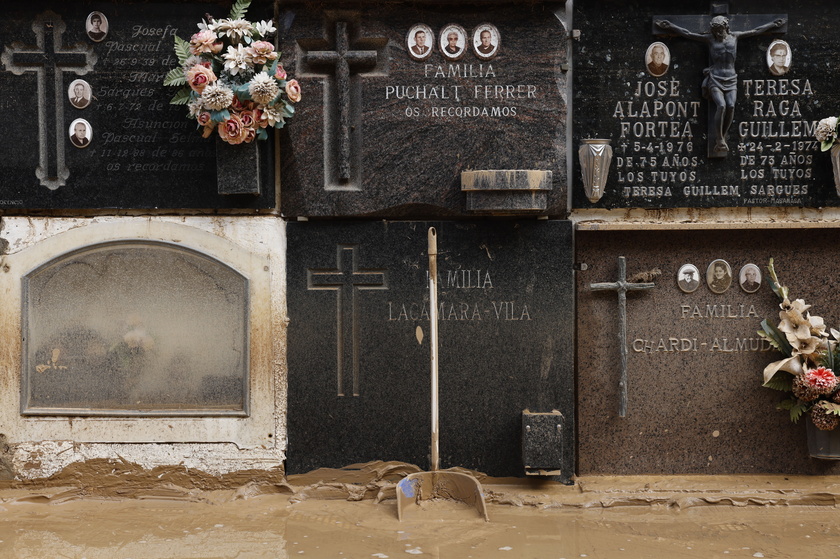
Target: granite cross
x=49, y=60
x=622, y=286
x=342, y=98
x=347, y=275
x=721, y=32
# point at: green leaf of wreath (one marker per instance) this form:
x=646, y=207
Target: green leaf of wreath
x=175, y=76
x=239, y=8
x=182, y=97
x=182, y=49
x=780, y=381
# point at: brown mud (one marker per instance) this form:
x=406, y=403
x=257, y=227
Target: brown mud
x=352, y=512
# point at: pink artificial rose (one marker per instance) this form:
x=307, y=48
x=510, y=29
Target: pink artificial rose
x=280, y=72
x=247, y=118
x=232, y=130
x=261, y=52
x=205, y=42
x=199, y=77
x=258, y=119
x=251, y=135
x=293, y=91
x=203, y=118
x=236, y=104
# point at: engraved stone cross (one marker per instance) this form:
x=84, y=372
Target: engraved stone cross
x=622, y=287
x=342, y=100
x=49, y=60
x=347, y=275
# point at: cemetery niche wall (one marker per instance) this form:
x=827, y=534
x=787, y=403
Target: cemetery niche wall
x=690, y=127
x=359, y=342
x=401, y=100
x=91, y=125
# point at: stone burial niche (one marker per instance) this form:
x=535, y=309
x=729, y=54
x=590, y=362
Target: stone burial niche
x=137, y=330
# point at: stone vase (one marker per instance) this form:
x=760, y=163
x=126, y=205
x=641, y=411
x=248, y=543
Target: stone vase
x=835, y=164
x=595, y=158
x=822, y=444
x=238, y=167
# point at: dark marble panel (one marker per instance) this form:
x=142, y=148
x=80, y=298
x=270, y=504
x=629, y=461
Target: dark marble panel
x=141, y=152
x=695, y=400
x=659, y=125
x=388, y=134
x=358, y=298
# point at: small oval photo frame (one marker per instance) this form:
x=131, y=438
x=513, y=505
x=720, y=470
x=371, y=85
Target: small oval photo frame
x=96, y=26
x=79, y=93
x=688, y=278
x=749, y=278
x=657, y=59
x=80, y=132
x=719, y=276
x=452, y=42
x=779, y=57
x=420, y=41
x=486, y=41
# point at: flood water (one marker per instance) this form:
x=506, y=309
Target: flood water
x=233, y=525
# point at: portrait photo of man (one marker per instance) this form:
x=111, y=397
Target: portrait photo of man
x=486, y=41
x=658, y=59
x=80, y=133
x=719, y=276
x=419, y=42
x=79, y=93
x=688, y=278
x=778, y=58
x=750, y=278
x=96, y=26
x=453, y=42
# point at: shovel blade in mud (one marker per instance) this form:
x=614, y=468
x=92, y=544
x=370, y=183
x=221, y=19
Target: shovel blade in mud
x=424, y=486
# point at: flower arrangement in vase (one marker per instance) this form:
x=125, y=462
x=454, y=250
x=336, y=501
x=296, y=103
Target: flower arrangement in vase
x=811, y=356
x=232, y=78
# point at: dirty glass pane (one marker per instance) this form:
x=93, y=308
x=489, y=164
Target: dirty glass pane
x=135, y=328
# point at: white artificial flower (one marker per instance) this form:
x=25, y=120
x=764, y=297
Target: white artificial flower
x=237, y=59
x=236, y=29
x=265, y=28
x=272, y=115
x=217, y=96
x=263, y=88
x=195, y=107
x=826, y=129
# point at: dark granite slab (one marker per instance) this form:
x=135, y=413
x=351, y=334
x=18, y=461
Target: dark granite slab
x=142, y=151
x=695, y=362
x=358, y=296
x=388, y=133
x=659, y=125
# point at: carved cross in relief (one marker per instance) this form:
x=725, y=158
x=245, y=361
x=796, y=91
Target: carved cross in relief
x=347, y=279
x=622, y=286
x=343, y=66
x=49, y=60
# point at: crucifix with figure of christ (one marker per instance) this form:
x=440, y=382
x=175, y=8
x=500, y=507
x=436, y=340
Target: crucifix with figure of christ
x=721, y=32
x=622, y=286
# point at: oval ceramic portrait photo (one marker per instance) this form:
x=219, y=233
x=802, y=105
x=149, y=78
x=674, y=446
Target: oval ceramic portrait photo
x=719, y=276
x=453, y=42
x=79, y=93
x=485, y=41
x=420, y=41
x=80, y=133
x=779, y=57
x=750, y=278
x=657, y=59
x=688, y=278
x=96, y=26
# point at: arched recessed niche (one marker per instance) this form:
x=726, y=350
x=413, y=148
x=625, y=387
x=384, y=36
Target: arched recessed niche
x=135, y=328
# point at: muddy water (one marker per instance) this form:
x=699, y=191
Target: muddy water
x=234, y=525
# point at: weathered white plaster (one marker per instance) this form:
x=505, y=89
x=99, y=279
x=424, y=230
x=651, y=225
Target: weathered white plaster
x=255, y=246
